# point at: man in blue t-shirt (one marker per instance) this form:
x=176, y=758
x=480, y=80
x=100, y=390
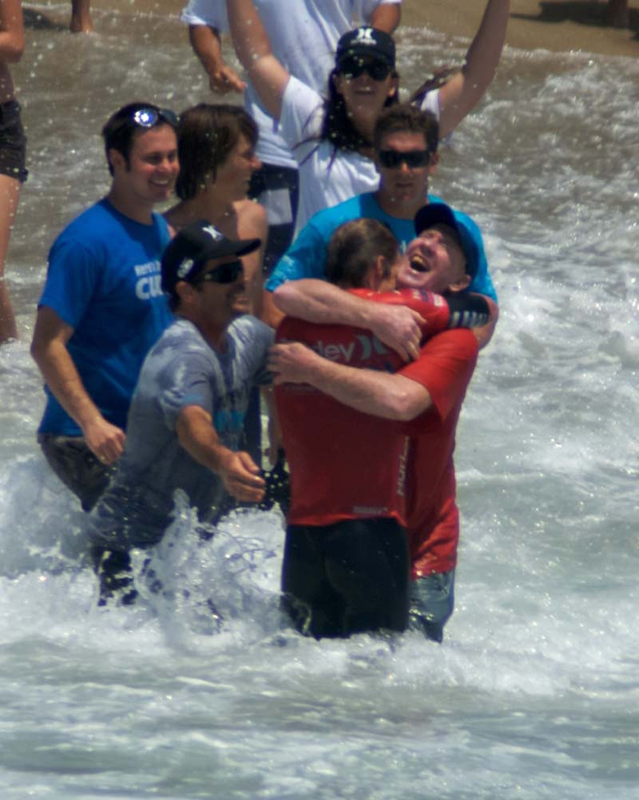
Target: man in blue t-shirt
x=102, y=307
x=406, y=141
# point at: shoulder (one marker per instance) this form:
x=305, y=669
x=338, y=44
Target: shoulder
x=249, y=329
x=251, y=218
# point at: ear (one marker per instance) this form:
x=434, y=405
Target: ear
x=338, y=82
x=434, y=161
x=185, y=291
x=461, y=284
x=116, y=159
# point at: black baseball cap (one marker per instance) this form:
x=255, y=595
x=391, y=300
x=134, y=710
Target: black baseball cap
x=433, y=214
x=366, y=42
x=185, y=256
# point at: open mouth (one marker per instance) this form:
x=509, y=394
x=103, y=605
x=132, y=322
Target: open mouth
x=417, y=265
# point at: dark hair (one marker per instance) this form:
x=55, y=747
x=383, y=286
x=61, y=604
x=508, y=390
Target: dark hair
x=353, y=248
x=439, y=78
x=121, y=128
x=206, y=136
x=406, y=118
x=337, y=126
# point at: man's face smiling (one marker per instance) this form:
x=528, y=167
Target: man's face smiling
x=152, y=167
x=434, y=261
x=404, y=186
x=222, y=302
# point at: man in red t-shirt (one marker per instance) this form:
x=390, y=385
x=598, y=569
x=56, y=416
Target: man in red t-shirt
x=427, y=394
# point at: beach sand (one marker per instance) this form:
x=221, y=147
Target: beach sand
x=558, y=25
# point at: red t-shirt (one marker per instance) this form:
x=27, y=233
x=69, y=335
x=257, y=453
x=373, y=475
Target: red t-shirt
x=445, y=367
x=345, y=464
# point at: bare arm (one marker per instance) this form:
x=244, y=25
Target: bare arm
x=206, y=45
x=386, y=17
x=239, y=474
x=254, y=52
x=313, y=300
x=379, y=393
x=11, y=31
x=462, y=93
x=49, y=351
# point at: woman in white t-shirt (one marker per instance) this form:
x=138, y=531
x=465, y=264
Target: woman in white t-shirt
x=332, y=138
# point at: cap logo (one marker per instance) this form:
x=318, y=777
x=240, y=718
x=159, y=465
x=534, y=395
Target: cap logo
x=213, y=232
x=185, y=267
x=365, y=36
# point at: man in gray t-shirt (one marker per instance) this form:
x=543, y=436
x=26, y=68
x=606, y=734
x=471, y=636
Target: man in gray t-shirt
x=186, y=418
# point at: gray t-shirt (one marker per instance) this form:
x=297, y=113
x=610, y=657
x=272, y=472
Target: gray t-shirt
x=181, y=370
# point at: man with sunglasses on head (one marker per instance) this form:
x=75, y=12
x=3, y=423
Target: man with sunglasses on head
x=406, y=141
x=186, y=419
x=102, y=307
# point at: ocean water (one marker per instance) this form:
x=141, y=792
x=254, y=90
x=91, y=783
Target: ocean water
x=535, y=691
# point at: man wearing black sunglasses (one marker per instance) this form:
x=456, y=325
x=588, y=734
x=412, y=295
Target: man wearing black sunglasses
x=406, y=142
x=102, y=307
x=185, y=425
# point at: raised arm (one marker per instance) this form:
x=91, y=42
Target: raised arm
x=398, y=327
x=205, y=41
x=11, y=31
x=379, y=393
x=253, y=49
x=386, y=17
x=462, y=93
x=49, y=351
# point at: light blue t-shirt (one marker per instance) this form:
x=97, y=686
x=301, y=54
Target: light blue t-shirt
x=306, y=257
x=104, y=281
x=181, y=370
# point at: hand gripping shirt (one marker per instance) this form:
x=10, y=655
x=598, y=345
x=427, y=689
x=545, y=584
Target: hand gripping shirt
x=103, y=280
x=303, y=35
x=181, y=370
x=345, y=464
x=306, y=257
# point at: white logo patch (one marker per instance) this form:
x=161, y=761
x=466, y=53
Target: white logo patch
x=364, y=36
x=185, y=267
x=213, y=232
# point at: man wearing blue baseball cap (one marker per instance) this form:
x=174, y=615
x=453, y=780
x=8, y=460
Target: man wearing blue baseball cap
x=426, y=395
x=186, y=419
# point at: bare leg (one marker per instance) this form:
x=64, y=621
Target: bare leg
x=617, y=14
x=9, y=195
x=81, y=17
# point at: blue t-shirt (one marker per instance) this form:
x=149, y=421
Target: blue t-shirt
x=104, y=281
x=306, y=257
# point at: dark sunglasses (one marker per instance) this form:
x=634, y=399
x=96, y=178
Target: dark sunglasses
x=393, y=159
x=354, y=67
x=225, y=273
x=148, y=117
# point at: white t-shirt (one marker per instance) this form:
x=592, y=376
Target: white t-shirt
x=327, y=176
x=303, y=36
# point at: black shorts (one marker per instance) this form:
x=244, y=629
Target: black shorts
x=76, y=466
x=13, y=143
x=273, y=178
x=350, y=577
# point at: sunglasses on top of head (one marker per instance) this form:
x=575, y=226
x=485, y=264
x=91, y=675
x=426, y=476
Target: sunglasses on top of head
x=393, y=159
x=150, y=116
x=354, y=67
x=225, y=273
